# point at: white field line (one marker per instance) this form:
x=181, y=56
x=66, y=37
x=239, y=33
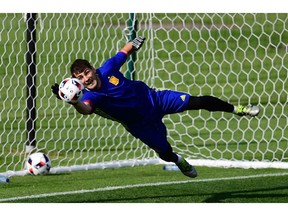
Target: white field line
x=139, y=185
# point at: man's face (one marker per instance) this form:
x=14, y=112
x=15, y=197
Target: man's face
x=89, y=78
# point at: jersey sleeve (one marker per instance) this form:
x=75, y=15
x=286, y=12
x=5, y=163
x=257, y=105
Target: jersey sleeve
x=114, y=63
x=88, y=97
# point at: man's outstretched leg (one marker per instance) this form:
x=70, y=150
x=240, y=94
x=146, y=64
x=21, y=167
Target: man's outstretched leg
x=213, y=104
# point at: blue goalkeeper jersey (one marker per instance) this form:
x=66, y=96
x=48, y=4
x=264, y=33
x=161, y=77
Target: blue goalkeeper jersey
x=127, y=101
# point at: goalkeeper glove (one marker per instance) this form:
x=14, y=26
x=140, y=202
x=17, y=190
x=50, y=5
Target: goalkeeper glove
x=55, y=90
x=137, y=43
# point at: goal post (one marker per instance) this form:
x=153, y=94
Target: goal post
x=31, y=81
x=131, y=34
x=240, y=58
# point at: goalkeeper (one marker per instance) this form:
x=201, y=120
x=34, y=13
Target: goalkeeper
x=139, y=108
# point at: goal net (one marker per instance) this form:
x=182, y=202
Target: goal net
x=239, y=58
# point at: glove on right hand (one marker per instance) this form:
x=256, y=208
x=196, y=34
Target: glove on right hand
x=138, y=42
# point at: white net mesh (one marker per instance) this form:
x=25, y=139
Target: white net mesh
x=240, y=58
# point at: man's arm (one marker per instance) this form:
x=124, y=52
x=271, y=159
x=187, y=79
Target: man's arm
x=83, y=108
x=116, y=62
x=127, y=49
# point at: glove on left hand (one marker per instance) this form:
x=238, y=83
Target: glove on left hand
x=55, y=90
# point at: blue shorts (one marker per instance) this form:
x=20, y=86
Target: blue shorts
x=152, y=131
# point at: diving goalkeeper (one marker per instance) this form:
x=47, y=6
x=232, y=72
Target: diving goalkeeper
x=139, y=108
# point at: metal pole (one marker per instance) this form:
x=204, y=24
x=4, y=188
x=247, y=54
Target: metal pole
x=132, y=29
x=31, y=81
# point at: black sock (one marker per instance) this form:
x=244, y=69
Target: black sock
x=209, y=103
x=169, y=156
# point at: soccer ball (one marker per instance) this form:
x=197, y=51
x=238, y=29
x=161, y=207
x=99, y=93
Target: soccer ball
x=38, y=164
x=71, y=90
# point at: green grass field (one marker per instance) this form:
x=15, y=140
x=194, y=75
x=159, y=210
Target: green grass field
x=150, y=184
x=251, y=66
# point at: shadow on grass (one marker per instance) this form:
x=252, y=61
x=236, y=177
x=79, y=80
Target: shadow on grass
x=249, y=194
x=244, y=196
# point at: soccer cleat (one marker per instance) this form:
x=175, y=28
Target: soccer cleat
x=250, y=110
x=186, y=168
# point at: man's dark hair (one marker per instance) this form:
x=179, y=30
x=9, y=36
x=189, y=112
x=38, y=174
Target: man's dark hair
x=79, y=65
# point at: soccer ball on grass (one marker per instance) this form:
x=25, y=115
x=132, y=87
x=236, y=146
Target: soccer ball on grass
x=71, y=90
x=38, y=164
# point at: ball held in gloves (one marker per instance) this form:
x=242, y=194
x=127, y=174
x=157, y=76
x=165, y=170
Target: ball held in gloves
x=71, y=90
